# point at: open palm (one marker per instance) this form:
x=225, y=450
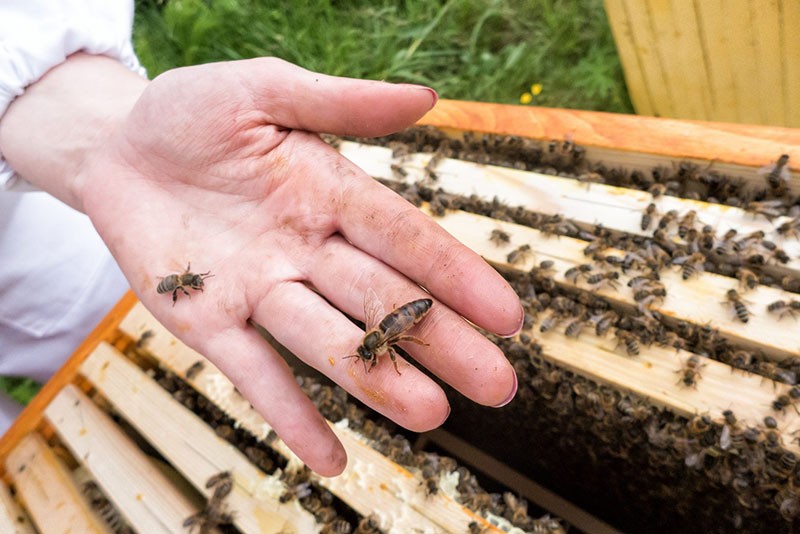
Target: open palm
x=217, y=165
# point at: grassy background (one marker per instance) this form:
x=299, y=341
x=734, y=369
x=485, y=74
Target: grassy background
x=490, y=51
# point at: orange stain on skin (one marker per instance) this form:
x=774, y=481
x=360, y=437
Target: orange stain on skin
x=331, y=361
x=183, y=327
x=378, y=397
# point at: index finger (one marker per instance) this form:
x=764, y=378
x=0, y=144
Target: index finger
x=380, y=222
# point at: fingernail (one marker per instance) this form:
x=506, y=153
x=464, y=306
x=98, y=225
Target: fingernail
x=433, y=94
x=519, y=326
x=445, y=416
x=513, y=392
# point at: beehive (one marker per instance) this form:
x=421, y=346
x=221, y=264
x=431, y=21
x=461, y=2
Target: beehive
x=612, y=422
x=140, y=433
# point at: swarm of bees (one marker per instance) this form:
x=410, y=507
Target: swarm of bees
x=179, y=282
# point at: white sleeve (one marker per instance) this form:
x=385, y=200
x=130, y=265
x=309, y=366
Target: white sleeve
x=37, y=35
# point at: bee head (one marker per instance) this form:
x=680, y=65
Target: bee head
x=365, y=353
x=196, y=282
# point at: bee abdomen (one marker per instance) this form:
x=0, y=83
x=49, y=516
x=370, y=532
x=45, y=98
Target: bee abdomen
x=406, y=315
x=741, y=312
x=169, y=283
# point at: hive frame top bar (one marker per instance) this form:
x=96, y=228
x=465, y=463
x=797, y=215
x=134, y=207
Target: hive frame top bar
x=737, y=144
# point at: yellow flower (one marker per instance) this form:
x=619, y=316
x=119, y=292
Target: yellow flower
x=536, y=89
x=525, y=98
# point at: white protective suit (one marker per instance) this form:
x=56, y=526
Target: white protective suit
x=57, y=278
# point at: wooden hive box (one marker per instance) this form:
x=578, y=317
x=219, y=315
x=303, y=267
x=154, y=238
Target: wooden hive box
x=732, y=60
x=597, y=417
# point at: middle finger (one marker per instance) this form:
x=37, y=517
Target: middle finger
x=457, y=352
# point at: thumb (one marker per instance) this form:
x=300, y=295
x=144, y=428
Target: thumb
x=301, y=99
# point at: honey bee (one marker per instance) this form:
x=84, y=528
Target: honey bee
x=784, y=400
x=575, y=327
x=430, y=167
x=783, y=307
x=179, y=282
x=431, y=479
x=656, y=190
x=499, y=237
x=727, y=244
x=691, y=264
x=194, y=369
x=216, y=513
x=390, y=330
x=550, y=321
x=699, y=425
x=629, y=340
x=780, y=255
x=687, y=223
x=144, y=338
x=790, y=228
x=790, y=283
x=667, y=219
x=731, y=433
x=604, y=322
x=784, y=467
x=599, y=280
x=770, y=209
x=777, y=174
x=733, y=299
x=574, y=273
x=647, y=216
x=105, y=508
x=706, y=238
x=519, y=254
x=222, y=483
x=645, y=297
x=772, y=433
x=398, y=171
x=690, y=372
x=299, y=490
x=747, y=279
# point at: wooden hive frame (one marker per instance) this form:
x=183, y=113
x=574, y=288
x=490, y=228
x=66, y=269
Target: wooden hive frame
x=149, y=500
x=63, y=409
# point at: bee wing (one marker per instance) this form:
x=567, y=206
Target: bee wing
x=784, y=173
x=766, y=169
x=373, y=309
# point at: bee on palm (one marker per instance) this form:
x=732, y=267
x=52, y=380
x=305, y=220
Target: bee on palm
x=382, y=337
x=179, y=282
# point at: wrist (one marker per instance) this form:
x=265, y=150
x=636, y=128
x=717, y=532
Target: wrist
x=51, y=133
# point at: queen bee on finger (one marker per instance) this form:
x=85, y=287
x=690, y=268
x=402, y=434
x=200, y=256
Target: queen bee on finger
x=383, y=337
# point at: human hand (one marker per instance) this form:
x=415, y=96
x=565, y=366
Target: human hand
x=215, y=165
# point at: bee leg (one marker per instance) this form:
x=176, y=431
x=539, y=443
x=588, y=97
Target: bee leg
x=393, y=356
x=175, y=294
x=416, y=340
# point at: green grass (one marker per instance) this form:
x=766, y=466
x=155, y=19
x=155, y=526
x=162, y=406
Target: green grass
x=20, y=389
x=489, y=51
